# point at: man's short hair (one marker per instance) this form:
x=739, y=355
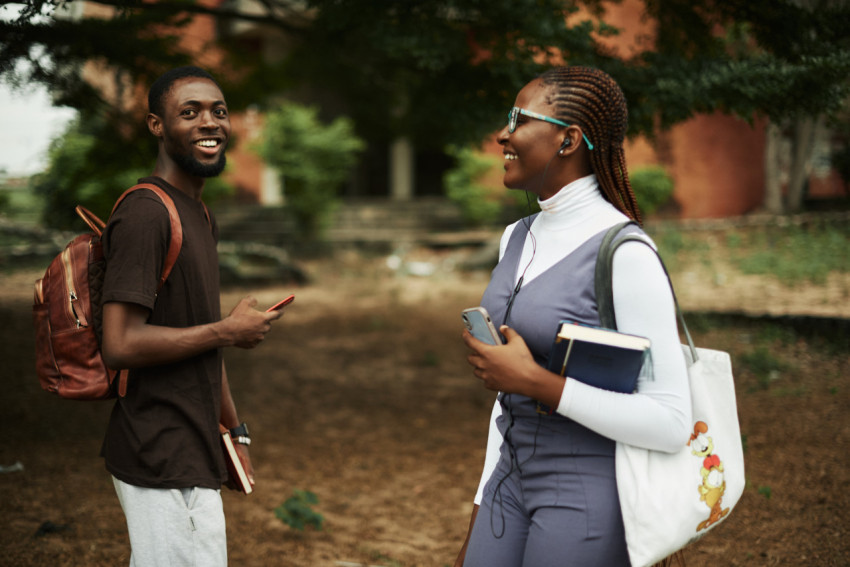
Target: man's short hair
x=160, y=88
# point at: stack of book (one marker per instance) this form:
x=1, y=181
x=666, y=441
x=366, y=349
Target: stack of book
x=599, y=357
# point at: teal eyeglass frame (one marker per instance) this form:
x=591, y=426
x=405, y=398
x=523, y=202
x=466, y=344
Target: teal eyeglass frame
x=516, y=111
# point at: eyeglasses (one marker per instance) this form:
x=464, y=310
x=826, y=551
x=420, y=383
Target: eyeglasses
x=513, y=115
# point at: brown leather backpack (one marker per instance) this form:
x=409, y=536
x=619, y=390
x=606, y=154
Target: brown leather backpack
x=67, y=311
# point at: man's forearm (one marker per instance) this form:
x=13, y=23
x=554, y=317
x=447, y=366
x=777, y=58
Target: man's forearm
x=130, y=342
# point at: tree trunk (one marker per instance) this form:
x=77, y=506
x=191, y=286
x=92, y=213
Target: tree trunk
x=801, y=161
x=773, y=201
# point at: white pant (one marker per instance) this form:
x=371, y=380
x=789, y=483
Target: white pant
x=174, y=527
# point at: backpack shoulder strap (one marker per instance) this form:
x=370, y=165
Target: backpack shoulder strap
x=176, y=227
x=605, y=289
x=91, y=219
x=174, y=246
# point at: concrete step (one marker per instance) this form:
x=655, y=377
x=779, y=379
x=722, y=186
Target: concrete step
x=373, y=221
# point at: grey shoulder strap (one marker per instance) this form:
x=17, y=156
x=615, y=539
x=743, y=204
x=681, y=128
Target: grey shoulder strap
x=603, y=282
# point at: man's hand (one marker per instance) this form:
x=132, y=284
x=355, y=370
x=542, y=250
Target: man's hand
x=129, y=341
x=247, y=325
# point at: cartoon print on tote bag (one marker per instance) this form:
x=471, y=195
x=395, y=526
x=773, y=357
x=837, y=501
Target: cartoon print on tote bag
x=713, y=481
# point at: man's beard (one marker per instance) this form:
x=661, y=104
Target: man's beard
x=197, y=169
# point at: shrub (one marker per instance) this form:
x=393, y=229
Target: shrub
x=313, y=160
x=471, y=185
x=653, y=187
x=297, y=512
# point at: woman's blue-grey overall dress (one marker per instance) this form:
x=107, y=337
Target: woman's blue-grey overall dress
x=552, y=500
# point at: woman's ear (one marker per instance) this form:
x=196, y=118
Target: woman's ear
x=572, y=140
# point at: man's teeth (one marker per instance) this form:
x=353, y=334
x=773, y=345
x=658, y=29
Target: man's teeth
x=510, y=157
x=207, y=143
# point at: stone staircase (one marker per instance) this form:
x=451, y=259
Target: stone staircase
x=372, y=224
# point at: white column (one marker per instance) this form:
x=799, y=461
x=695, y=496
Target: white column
x=271, y=188
x=401, y=170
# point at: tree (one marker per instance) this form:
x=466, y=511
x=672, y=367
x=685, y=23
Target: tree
x=439, y=72
x=787, y=60
x=377, y=62
x=413, y=60
x=81, y=170
x=443, y=71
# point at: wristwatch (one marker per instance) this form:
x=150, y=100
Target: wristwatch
x=240, y=434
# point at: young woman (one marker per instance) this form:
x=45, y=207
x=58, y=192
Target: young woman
x=548, y=493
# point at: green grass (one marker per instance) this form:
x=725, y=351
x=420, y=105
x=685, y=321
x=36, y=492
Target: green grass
x=776, y=356
x=793, y=254
x=762, y=362
x=677, y=246
x=430, y=358
x=783, y=334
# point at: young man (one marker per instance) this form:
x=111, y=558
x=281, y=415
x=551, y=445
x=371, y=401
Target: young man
x=162, y=443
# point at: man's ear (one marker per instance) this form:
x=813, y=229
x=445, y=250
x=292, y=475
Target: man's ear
x=154, y=124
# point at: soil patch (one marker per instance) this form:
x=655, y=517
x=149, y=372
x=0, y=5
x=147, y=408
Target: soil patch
x=362, y=395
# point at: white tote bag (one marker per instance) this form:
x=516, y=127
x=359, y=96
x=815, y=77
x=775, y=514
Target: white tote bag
x=669, y=500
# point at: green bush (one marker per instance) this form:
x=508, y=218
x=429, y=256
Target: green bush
x=297, y=512
x=653, y=187
x=89, y=164
x=471, y=184
x=313, y=160
x=20, y=202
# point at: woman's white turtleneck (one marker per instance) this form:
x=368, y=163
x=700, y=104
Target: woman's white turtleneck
x=656, y=417
x=566, y=220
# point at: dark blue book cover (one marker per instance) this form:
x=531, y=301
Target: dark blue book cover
x=599, y=357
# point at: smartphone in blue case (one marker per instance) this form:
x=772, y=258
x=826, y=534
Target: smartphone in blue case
x=478, y=322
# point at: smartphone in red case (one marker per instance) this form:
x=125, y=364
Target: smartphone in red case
x=281, y=304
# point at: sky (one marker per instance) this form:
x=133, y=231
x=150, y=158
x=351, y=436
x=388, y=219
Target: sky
x=28, y=122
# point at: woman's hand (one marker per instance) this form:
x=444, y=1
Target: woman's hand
x=511, y=368
x=461, y=557
x=504, y=368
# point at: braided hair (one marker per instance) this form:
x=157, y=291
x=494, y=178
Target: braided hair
x=592, y=100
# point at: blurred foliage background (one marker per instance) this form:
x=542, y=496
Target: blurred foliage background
x=437, y=72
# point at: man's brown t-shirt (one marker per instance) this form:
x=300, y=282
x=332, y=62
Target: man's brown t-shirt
x=164, y=433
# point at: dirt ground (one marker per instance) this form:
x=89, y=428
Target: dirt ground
x=362, y=395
